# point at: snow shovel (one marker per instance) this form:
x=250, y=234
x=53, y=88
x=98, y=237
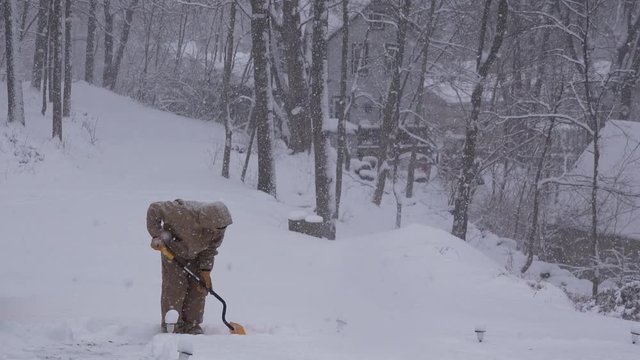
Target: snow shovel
x=234, y=328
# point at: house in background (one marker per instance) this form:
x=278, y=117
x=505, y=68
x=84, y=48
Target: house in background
x=372, y=50
x=618, y=202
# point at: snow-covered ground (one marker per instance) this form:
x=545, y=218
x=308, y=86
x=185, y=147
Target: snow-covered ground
x=79, y=281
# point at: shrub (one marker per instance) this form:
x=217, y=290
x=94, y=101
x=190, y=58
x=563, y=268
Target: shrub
x=623, y=302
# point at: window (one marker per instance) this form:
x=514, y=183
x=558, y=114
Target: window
x=368, y=108
x=376, y=22
x=359, y=58
x=391, y=52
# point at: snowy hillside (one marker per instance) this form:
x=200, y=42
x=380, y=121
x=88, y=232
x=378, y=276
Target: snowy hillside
x=79, y=281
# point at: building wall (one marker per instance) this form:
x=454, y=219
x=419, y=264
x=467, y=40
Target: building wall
x=373, y=82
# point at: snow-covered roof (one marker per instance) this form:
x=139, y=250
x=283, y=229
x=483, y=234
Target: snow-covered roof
x=454, y=82
x=619, y=194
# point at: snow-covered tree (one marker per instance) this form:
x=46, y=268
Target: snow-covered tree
x=108, y=43
x=297, y=82
x=66, y=98
x=114, y=63
x=342, y=114
x=485, y=59
x=391, y=111
x=263, y=100
x=39, y=54
x=89, y=62
x=318, y=107
x=56, y=68
x=228, y=64
x=15, y=105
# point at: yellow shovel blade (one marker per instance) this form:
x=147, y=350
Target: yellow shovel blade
x=237, y=329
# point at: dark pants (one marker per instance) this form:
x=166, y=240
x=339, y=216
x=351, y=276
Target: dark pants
x=182, y=293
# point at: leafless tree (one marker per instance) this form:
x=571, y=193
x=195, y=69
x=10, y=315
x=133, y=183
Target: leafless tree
x=12, y=51
x=124, y=39
x=66, y=98
x=89, y=62
x=318, y=107
x=56, y=80
x=108, y=43
x=39, y=55
x=228, y=63
x=484, y=61
x=391, y=111
x=263, y=99
x=298, y=89
x=342, y=115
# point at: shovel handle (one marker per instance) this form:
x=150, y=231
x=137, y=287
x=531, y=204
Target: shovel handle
x=169, y=255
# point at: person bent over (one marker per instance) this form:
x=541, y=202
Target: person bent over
x=192, y=231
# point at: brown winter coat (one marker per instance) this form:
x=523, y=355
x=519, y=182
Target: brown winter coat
x=197, y=227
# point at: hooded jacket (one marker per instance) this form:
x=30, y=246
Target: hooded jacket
x=197, y=228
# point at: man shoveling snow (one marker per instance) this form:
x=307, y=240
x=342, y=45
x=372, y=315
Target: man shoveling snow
x=192, y=232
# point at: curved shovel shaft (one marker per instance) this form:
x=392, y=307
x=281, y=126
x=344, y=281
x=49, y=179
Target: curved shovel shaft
x=234, y=328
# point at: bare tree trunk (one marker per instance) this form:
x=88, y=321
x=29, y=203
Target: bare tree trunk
x=23, y=18
x=396, y=194
x=15, y=105
x=124, y=38
x=159, y=37
x=228, y=63
x=531, y=238
x=45, y=64
x=51, y=35
x=390, y=113
x=411, y=172
x=39, y=59
x=216, y=41
x=89, y=56
x=628, y=58
x=595, y=124
x=147, y=41
x=469, y=170
x=184, y=17
x=281, y=109
x=297, y=97
x=318, y=104
x=420, y=95
x=56, y=93
x=595, y=243
x=108, y=44
x=342, y=120
x=252, y=126
x=66, y=100
x=262, y=109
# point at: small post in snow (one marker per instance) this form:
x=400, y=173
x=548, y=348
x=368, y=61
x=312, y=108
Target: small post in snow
x=480, y=330
x=185, y=349
x=635, y=332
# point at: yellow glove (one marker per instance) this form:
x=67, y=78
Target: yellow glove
x=206, y=278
